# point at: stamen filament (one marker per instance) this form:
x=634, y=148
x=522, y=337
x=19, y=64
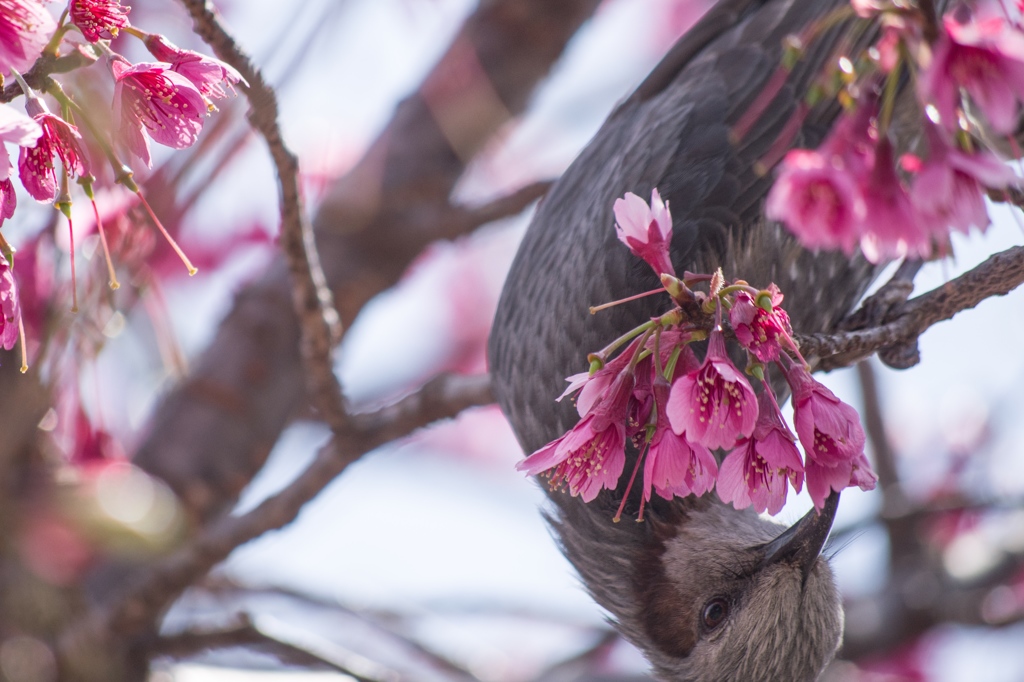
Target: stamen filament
x=21, y=342
x=170, y=240
x=604, y=306
x=114, y=284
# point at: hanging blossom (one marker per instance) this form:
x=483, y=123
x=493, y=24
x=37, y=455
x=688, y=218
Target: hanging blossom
x=98, y=19
x=59, y=139
x=713, y=405
x=8, y=200
x=760, y=469
x=983, y=56
x=16, y=128
x=848, y=193
x=25, y=28
x=646, y=229
x=152, y=98
x=591, y=456
x=818, y=194
x=831, y=434
x=948, y=189
x=10, y=306
x=892, y=228
x=674, y=410
x=674, y=465
x=206, y=73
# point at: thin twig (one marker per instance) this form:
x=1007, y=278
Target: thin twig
x=468, y=219
x=314, y=303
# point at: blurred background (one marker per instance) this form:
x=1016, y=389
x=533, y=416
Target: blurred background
x=429, y=558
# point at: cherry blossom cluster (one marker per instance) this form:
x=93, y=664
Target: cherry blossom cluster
x=648, y=389
x=852, y=191
x=166, y=100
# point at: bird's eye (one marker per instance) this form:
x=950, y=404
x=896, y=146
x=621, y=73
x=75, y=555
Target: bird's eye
x=715, y=612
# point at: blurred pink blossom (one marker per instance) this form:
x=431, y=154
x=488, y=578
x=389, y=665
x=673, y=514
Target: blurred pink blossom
x=10, y=306
x=983, y=55
x=948, y=189
x=19, y=129
x=25, y=28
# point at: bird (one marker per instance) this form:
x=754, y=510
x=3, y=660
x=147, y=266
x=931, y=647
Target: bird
x=705, y=591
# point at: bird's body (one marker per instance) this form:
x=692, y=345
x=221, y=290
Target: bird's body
x=658, y=578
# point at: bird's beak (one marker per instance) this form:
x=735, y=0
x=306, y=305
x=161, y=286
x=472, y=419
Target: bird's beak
x=801, y=543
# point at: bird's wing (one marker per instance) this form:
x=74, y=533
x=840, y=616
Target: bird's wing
x=673, y=133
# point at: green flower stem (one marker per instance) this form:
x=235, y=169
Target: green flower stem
x=122, y=172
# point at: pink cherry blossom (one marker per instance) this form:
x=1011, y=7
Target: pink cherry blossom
x=36, y=163
x=985, y=57
x=828, y=428
x=154, y=98
x=591, y=456
x=715, y=404
x=592, y=386
x=646, y=230
x=25, y=28
x=819, y=194
x=206, y=73
x=948, y=190
x=10, y=306
x=892, y=228
x=98, y=19
x=19, y=129
x=674, y=465
x=8, y=200
x=759, y=331
x=822, y=480
x=759, y=470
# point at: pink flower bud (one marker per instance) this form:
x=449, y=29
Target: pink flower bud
x=646, y=230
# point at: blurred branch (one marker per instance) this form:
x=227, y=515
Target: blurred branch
x=134, y=611
x=997, y=276
x=465, y=220
x=221, y=588
x=904, y=542
x=193, y=642
x=320, y=327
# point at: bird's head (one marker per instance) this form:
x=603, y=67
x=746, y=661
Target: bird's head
x=739, y=601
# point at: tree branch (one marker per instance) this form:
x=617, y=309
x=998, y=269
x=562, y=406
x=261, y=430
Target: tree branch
x=997, y=276
x=134, y=611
